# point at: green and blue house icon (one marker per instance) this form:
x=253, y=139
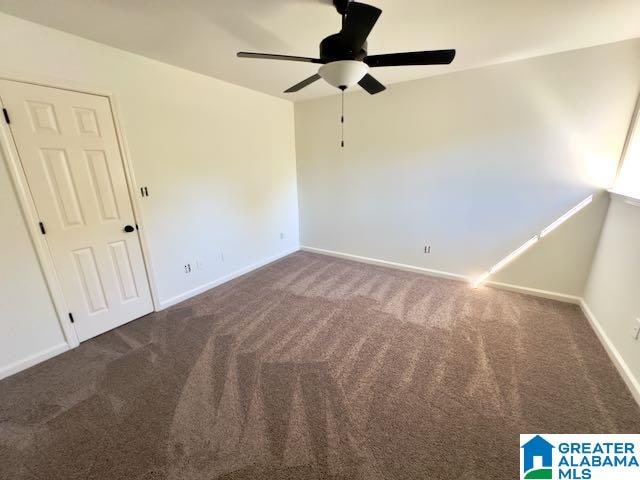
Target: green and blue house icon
x=539, y=448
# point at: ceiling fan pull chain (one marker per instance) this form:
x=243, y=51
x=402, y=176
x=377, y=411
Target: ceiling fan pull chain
x=342, y=120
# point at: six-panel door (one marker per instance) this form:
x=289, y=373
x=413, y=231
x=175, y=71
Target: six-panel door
x=70, y=154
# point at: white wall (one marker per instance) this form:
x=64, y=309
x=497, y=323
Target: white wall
x=474, y=163
x=612, y=293
x=218, y=159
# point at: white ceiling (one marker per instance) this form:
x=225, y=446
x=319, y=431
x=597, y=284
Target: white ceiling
x=204, y=35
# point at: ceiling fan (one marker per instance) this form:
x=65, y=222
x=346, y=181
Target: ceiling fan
x=344, y=56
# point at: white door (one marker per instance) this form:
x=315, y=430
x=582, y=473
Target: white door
x=70, y=154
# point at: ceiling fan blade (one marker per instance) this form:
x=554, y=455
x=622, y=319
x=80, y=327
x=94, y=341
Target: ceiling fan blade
x=269, y=56
x=433, y=57
x=302, y=84
x=371, y=85
x=357, y=24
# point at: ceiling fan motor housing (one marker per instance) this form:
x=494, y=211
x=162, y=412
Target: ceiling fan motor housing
x=333, y=48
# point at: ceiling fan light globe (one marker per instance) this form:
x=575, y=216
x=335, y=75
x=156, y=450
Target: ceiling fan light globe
x=343, y=73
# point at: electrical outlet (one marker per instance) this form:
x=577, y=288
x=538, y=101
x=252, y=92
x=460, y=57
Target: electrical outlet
x=636, y=330
x=187, y=268
x=281, y=236
x=427, y=249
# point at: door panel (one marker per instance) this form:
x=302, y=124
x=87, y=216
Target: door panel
x=70, y=154
x=43, y=118
x=90, y=280
x=124, y=271
x=102, y=184
x=58, y=174
x=87, y=121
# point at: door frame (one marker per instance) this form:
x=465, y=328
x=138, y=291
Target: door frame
x=32, y=219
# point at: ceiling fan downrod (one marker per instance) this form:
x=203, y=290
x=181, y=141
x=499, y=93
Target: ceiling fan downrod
x=342, y=6
x=342, y=89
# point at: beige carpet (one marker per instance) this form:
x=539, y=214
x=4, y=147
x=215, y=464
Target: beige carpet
x=311, y=368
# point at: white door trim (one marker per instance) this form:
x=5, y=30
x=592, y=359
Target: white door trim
x=32, y=219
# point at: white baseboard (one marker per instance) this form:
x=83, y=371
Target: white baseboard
x=219, y=281
x=625, y=372
x=386, y=263
x=438, y=273
x=39, y=357
x=32, y=360
x=561, y=297
x=631, y=381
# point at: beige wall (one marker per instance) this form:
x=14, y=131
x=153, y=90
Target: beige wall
x=613, y=290
x=473, y=163
x=218, y=159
